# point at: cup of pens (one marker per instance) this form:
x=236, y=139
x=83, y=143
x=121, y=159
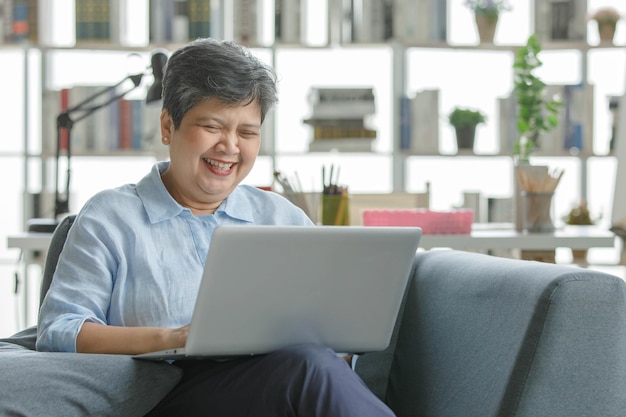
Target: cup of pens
x=537, y=194
x=335, y=200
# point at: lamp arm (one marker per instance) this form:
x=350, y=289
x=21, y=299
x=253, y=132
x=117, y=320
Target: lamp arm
x=65, y=121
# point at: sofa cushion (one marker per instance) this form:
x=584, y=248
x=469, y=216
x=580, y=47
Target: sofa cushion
x=74, y=384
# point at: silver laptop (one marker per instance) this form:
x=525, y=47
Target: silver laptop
x=267, y=287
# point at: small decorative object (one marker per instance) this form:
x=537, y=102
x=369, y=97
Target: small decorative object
x=464, y=121
x=537, y=193
x=606, y=18
x=536, y=113
x=450, y=222
x=579, y=216
x=486, y=14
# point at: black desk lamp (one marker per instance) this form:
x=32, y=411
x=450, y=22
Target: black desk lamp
x=66, y=120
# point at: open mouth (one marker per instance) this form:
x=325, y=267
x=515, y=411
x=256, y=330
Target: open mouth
x=220, y=166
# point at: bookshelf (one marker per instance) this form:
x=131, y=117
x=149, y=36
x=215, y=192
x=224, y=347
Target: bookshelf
x=394, y=65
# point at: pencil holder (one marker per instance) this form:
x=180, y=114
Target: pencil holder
x=537, y=212
x=335, y=209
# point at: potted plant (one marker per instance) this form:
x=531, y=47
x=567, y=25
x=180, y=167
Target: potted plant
x=486, y=14
x=606, y=18
x=579, y=216
x=536, y=113
x=464, y=121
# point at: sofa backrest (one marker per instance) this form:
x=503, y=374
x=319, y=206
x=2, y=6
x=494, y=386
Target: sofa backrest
x=54, y=250
x=488, y=336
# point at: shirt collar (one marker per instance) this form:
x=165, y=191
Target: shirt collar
x=160, y=205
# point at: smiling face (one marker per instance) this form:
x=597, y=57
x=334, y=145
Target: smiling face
x=210, y=153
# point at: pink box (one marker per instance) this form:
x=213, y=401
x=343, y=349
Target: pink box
x=432, y=222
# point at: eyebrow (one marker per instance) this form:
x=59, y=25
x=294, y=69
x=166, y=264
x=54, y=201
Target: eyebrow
x=220, y=120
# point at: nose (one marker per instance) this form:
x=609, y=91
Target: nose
x=228, y=143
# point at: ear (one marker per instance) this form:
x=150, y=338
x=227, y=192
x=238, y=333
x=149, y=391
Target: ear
x=167, y=124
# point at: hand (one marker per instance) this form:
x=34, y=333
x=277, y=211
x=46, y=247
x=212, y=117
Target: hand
x=177, y=337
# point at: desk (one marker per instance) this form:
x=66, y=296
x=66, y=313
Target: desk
x=574, y=237
x=481, y=238
x=34, y=247
x=30, y=241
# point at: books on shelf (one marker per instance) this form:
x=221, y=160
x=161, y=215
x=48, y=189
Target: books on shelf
x=367, y=21
x=342, y=145
x=419, y=123
x=574, y=131
x=123, y=124
x=179, y=21
x=53, y=102
x=341, y=103
x=246, y=21
x=560, y=20
x=19, y=21
x=340, y=117
x=94, y=20
x=199, y=15
x=161, y=18
x=420, y=21
x=289, y=21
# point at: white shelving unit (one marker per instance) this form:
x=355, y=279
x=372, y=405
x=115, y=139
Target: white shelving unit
x=394, y=70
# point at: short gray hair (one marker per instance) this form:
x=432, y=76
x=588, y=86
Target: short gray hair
x=212, y=69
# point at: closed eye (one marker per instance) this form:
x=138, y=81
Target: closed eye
x=249, y=134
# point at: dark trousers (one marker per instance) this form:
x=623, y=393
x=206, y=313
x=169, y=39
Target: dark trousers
x=300, y=381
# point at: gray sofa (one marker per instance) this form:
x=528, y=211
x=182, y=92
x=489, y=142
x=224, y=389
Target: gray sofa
x=478, y=336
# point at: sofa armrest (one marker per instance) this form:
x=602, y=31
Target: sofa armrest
x=77, y=384
x=488, y=336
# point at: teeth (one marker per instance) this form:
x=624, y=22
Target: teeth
x=219, y=165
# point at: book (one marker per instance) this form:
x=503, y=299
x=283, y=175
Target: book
x=507, y=124
x=6, y=20
x=369, y=20
x=342, y=145
x=578, y=99
x=341, y=103
x=245, y=23
x=83, y=129
x=425, y=122
x=19, y=24
x=181, y=29
x=404, y=122
x=53, y=102
x=93, y=20
x=289, y=21
x=161, y=16
x=420, y=21
x=151, y=132
x=137, y=112
x=560, y=20
x=33, y=20
x=125, y=135
x=340, y=132
x=200, y=14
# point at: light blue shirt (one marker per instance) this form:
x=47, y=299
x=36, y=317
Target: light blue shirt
x=134, y=257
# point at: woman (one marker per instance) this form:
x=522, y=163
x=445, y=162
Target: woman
x=127, y=279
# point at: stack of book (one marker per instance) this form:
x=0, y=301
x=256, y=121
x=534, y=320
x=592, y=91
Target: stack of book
x=180, y=21
x=340, y=117
x=573, y=134
x=419, y=123
x=561, y=20
x=19, y=21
